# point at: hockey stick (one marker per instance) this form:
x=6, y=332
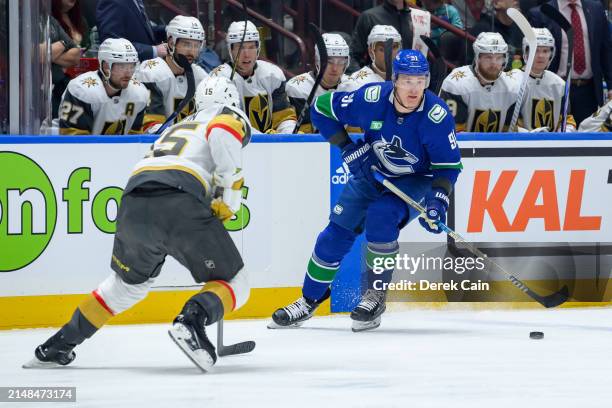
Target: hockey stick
x=556, y=16
x=553, y=300
x=231, y=349
x=388, y=58
x=320, y=43
x=439, y=65
x=530, y=35
x=246, y=19
x=183, y=62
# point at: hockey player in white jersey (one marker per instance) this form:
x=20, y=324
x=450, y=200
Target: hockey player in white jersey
x=166, y=79
x=298, y=88
x=543, y=101
x=481, y=96
x=108, y=101
x=600, y=121
x=261, y=84
x=195, y=166
x=376, y=70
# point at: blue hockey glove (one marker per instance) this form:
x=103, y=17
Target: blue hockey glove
x=360, y=158
x=436, y=204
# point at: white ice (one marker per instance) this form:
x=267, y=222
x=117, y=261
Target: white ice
x=415, y=359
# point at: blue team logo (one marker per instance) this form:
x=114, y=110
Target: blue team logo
x=393, y=156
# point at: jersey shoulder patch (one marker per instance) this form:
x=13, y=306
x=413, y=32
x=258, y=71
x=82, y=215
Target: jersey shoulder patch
x=437, y=113
x=458, y=81
x=222, y=70
x=88, y=87
x=299, y=86
x=372, y=93
x=154, y=70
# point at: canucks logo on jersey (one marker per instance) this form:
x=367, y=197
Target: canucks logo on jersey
x=393, y=155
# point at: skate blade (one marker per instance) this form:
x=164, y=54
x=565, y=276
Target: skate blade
x=36, y=363
x=363, y=326
x=179, y=334
x=274, y=325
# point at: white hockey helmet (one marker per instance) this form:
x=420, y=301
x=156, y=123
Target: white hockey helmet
x=235, y=32
x=185, y=27
x=382, y=33
x=214, y=91
x=544, y=38
x=336, y=46
x=114, y=50
x=490, y=43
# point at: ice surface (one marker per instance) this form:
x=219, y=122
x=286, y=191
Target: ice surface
x=415, y=359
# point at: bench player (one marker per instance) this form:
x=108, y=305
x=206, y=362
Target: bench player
x=108, y=101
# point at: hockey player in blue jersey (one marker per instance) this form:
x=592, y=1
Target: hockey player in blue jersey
x=409, y=136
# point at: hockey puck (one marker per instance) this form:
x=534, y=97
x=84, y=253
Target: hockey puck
x=536, y=335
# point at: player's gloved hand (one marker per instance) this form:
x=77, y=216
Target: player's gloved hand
x=359, y=157
x=436, y=204
x=221, y=210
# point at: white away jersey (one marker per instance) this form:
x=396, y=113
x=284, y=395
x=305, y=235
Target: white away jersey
x=359, y=78
x=167, y=90
x=479, y=108
x=263, y=96
x=189, y=153
x=86, y=108
x=600, y=121
x=298, y=89
x=542, y=103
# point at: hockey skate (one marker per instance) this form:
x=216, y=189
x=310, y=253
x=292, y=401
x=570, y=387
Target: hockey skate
x=367, y=314
x=55, y=352
x=296, y=313
x=189, y=334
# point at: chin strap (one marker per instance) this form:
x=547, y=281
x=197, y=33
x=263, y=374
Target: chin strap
x=107, y=82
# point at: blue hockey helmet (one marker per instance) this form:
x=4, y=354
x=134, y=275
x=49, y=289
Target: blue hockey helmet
x=410, y=62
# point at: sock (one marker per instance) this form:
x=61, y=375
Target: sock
x=377, y=255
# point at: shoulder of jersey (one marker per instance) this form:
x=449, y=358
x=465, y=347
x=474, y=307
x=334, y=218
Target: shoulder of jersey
x=154, y=70
x=434, y=107
x=222, y=70
x=364, y=75
x=459, y=80
x=374, y=92
x=88, y=87
x=512, y=80
x=199, y=73
x=137, y=91
x=232, y=121
x=516, y=74
x=268, y=69
x=553, y=78
x=299, y=86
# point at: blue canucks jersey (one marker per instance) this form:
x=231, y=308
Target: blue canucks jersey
x=420, y=142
